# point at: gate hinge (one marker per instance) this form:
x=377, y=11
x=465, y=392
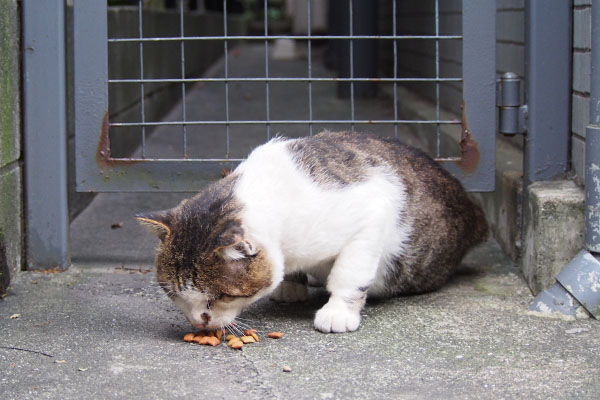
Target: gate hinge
x=513, y=115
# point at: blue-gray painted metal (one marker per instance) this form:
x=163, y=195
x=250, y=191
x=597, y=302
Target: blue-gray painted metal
x=556, y=299
x=592, y=188
x=45, y=134
x=548, y=79
x=592, y=143
x=581, y=278
x=509, y=104
x=90, y=88
x=479, y=95
x=97, y=171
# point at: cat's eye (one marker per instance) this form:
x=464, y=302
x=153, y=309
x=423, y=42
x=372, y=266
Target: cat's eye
x=228, y=298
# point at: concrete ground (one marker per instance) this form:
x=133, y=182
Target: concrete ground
x=104, y=330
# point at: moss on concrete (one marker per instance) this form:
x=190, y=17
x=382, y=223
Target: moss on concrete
x=11, y=208
x=9, y=82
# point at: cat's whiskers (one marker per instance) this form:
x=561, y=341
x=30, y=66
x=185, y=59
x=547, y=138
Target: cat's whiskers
x=244, y=319
x=248, y=323
x=232, y=328
x=242, y=325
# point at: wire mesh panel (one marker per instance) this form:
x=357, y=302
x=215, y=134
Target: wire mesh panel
x=232, y=81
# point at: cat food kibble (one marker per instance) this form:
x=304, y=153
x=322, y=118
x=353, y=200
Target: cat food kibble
x=247, y=339
x=189, y=337
x=237, y=345
x=204, y=340
x=213, y=338
x=251, y=332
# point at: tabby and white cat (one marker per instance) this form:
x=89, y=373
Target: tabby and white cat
x=366, y=216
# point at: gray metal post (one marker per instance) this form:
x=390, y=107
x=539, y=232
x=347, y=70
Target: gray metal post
x=548, y=91
x=592, y=143
x=45, y=134
x=477, y=167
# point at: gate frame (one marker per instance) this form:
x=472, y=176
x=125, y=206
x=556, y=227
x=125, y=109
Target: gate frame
x=96, y=170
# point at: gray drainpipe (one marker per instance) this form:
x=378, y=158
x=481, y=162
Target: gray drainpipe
x=577, y=287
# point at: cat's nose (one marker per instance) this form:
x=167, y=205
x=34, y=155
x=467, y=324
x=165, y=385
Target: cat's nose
x=205, y=318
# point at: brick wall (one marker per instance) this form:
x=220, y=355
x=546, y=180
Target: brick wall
x=580, y=107
x=510, y=37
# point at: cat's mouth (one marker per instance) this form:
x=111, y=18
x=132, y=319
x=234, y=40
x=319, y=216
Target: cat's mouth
x=205, y=326
x=211, y=322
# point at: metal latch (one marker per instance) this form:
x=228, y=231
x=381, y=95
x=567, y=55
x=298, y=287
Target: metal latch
x=513, y=115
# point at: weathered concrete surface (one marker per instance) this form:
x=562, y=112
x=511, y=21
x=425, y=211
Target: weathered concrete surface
x=553, y=227
x=120, y=337
x=11, y=227
x=10, y=77
x=11, y=203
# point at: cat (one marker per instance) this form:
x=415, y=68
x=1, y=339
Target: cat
x=366, y=216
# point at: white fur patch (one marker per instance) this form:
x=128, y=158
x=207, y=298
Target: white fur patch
x=229, y=253
x=193, y=304
x=238, y=251
x=349, y=233
x=337, y=316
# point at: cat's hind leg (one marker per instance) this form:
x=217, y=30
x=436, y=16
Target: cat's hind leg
x=293, y=288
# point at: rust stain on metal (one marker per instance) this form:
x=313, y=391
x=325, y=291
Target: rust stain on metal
x=103, y=152
x=103, y=158
x=469, y=150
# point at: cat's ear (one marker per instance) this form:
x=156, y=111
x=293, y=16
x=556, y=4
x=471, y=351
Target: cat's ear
x=157, y=222
x=238, y=251
x=233, y=246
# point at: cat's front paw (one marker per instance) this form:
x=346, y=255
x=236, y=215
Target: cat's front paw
x=336, y=316
x=290, y=291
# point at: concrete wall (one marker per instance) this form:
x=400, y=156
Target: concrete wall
x=11, y=167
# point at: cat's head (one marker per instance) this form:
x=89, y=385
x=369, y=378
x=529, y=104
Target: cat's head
x=205, y=263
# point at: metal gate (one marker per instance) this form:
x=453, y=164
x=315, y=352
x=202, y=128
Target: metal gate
x=97, y=169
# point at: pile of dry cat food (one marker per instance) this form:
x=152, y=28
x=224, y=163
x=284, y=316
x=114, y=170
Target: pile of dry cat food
x=213, y=338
